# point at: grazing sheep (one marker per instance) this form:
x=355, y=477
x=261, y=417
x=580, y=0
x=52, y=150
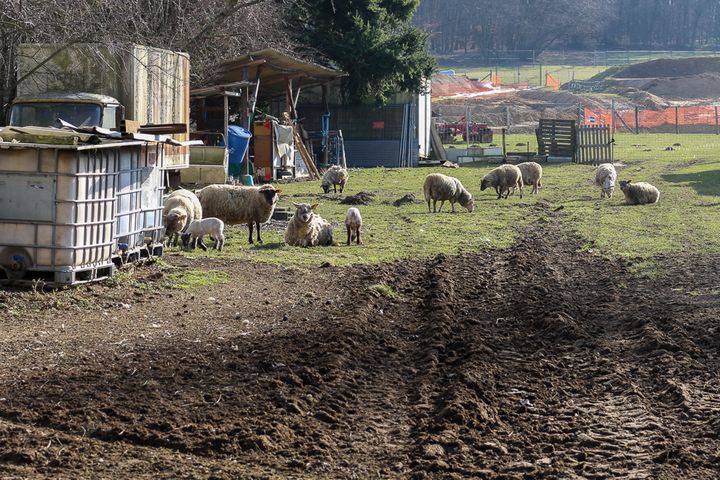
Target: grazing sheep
x=353, y=224
x=502, y=179
x=207, y=226
x=531, y=175
x=334, y=176
x=441, y=187
x=181, y=207
x=605, y=177
x=307, y=229
x=236, y=204
x=639, y=193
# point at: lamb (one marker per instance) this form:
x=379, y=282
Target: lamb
x=639, y=193
x=236, y=204
x=181, y=207
x=441, y=187
x=334, y=176
x=502, y=179
x=307, y=229
x=207, y=226
x=531, y=174
x=353, y=224
x=605, y=177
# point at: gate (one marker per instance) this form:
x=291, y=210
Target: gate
x=557, y=138
x=595, y=144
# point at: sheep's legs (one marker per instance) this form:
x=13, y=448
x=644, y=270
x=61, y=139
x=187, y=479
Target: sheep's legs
x=452, y=204
x=257, y=224
x=199, y=242
x=442, y=202
x=434, y=206
x=429, y=206
x=250, y=227
x=349, y=233
x=359, y=242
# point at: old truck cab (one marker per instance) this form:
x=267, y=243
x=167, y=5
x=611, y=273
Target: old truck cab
x=79, y=109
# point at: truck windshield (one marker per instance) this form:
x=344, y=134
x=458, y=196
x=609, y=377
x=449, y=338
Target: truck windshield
x=46, y=114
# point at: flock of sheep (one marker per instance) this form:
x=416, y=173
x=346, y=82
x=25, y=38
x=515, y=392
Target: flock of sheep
x=189, y=217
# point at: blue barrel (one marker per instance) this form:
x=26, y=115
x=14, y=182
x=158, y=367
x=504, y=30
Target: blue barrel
x=238, y=141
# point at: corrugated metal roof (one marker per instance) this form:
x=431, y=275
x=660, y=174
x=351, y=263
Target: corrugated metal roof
x=67, y=96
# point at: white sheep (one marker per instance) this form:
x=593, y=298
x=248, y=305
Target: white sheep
x=353, y=224
x=503, y=179
x=639, y=193
x=605, y=176
x=441, y=187
x=334, y=176
x=308, y=229
x=211, y=226
x=531, y=174
x=236, y=204
x=180, y=208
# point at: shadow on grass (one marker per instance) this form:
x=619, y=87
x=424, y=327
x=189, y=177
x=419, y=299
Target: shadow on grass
x=269, y=246
x=704, y=183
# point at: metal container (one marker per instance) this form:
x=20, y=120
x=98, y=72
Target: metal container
x=67, y=212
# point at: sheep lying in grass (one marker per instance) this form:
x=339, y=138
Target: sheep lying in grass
x=531, y=175
x=503, y=179
x=236, y=204
x=353, y=224
x=639, y=193
x=441, y=187
x=181, y=207
x=605, y=176
x=211, y=226
x=307, y=229
x=334, y=176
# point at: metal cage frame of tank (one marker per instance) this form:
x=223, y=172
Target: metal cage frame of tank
x=69, y=209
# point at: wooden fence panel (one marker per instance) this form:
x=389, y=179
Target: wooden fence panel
x=557, y=138
x=594, y=144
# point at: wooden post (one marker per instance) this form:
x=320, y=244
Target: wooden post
x=289, y=98
x=637, y=121
x=540, y=77
x=226, y=118
x=717, y=124
x=504, y=131
x=677, y=124
x=326, y=138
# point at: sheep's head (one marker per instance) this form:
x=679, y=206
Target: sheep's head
x=174, y=221
x=270, y=194
x=185, y=237
x=326, y=186
x=485, y=183
x=304, y=212
x=470, y=205
x=624, y=184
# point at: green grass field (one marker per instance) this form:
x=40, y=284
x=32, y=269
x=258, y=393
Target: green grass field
x=531, y=73
x=685, y=219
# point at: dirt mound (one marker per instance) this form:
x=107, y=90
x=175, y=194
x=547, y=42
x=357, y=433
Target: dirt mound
x=703, y=86
x=405, y=199
x=681, y=67
x=360, y=198
x=538, y=361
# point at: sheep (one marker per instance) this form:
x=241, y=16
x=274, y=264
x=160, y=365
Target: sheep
x=502, y=179
x=180, y=208
x=353, y=224
x=334, y=176
x=235, y=204
x=441, y=187
x=207, y=226
x=307, y=229
x=605, y=177
x=639, y=193
x=531, y=175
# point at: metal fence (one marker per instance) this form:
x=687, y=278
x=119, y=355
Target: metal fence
x=685, y=132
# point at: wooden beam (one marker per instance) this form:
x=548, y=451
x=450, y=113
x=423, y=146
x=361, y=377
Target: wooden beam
x=289, y=98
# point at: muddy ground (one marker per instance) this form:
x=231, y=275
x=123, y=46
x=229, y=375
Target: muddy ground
x=539, y=361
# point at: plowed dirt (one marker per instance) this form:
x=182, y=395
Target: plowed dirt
x=538, y=361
